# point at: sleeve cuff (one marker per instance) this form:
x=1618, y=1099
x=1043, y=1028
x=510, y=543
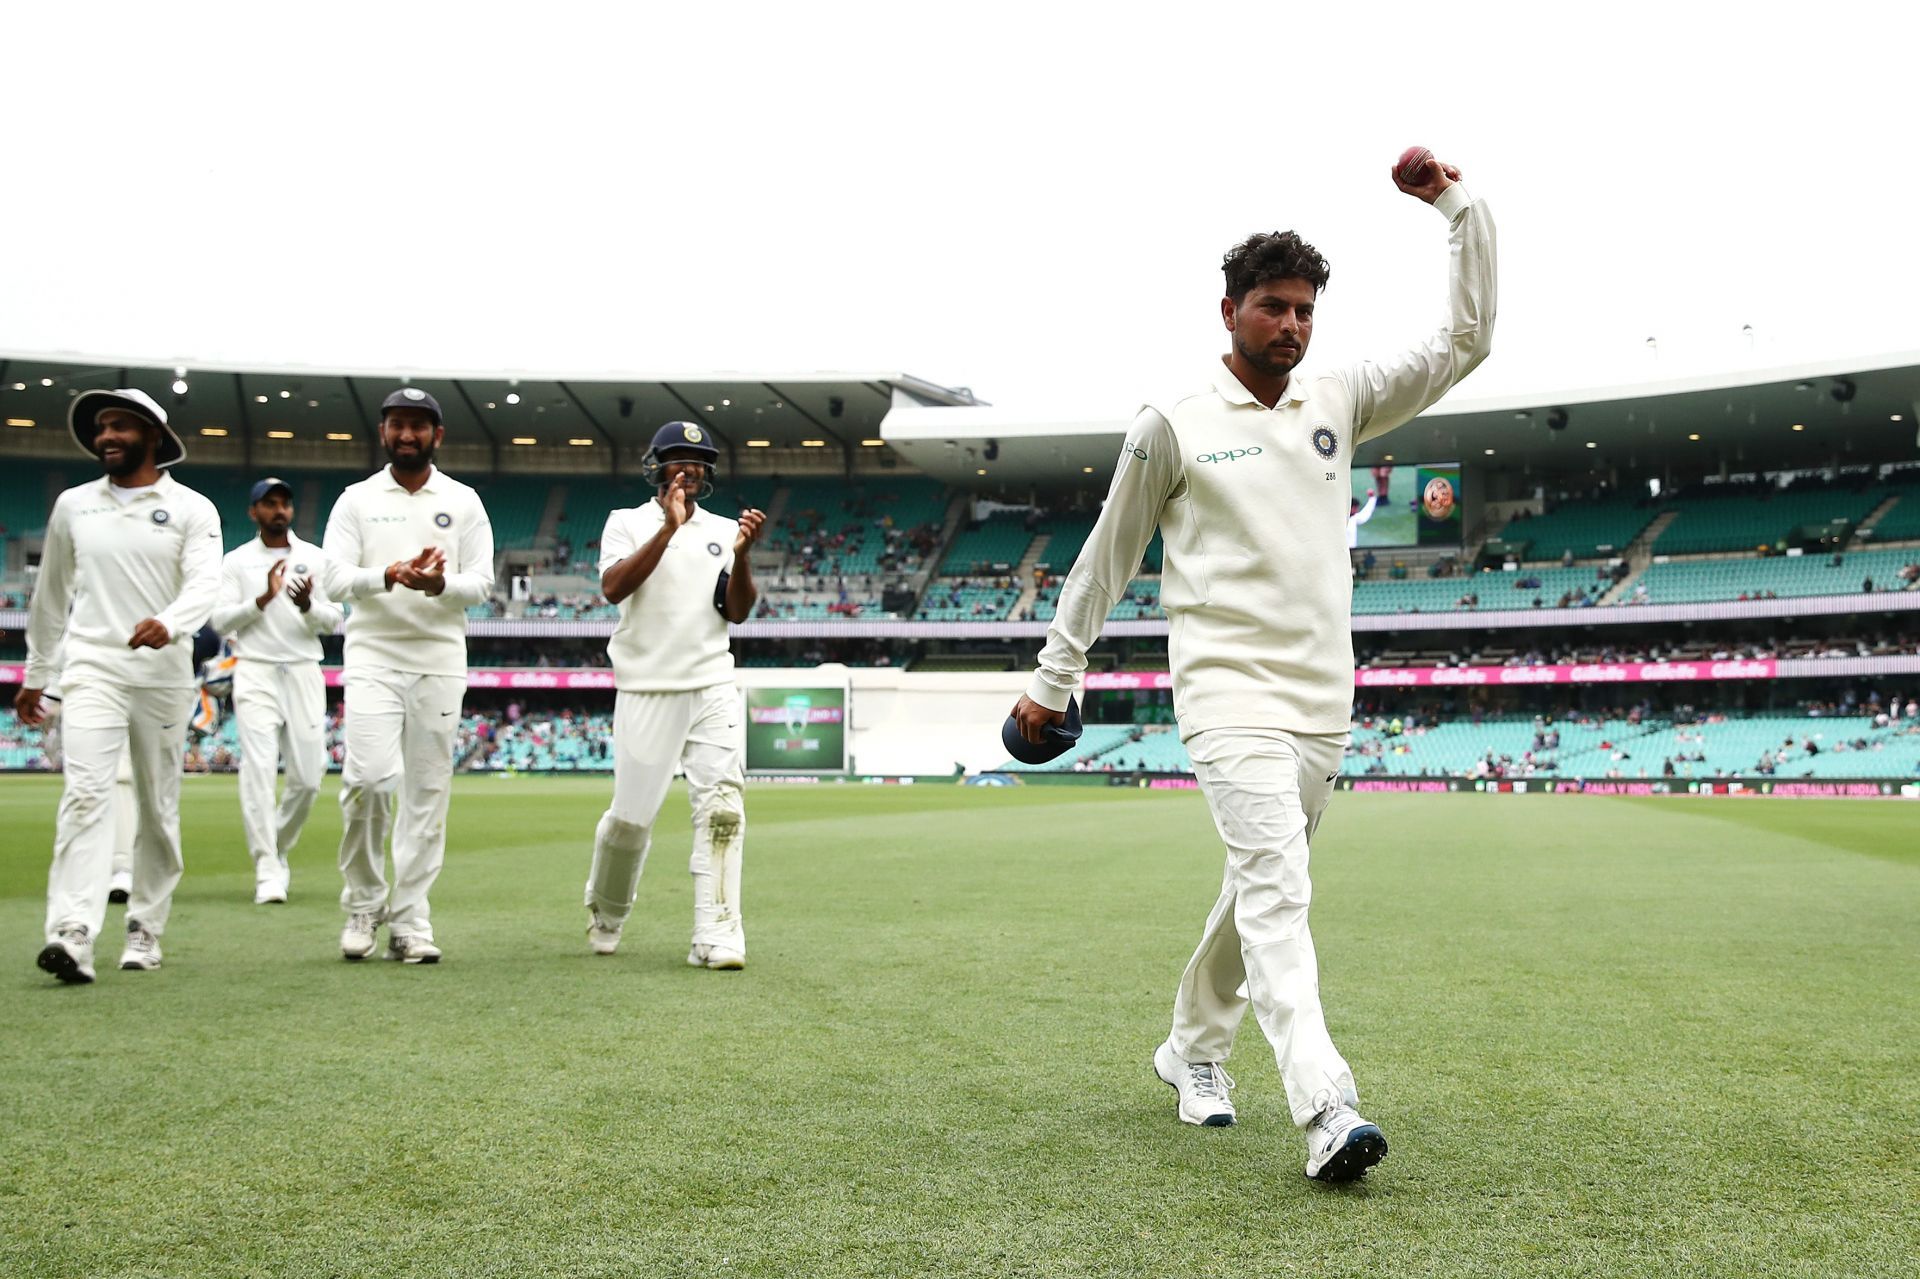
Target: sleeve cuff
x=1043, y=693
x=370, y=581
x=1452, y=201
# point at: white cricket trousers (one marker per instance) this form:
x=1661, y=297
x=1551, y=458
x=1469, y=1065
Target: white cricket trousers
x=1267, y=790
x=399, y=729
x=281, y=710
x=99, y=722
x=126, y=824
x=702, y=731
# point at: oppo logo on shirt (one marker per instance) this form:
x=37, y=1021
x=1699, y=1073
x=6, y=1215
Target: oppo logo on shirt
x=386, y=519
x=1232, y=455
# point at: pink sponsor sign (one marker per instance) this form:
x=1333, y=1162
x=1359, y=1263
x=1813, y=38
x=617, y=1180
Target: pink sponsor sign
x=1100, y=681
x=517, y=677
x=1495, y=676
x=778, y=714
x=1595, y=673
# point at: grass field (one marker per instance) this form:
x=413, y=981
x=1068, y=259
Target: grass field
x=1604, y=1037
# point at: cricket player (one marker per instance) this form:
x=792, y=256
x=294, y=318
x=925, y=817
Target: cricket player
x=1247, y=480
x=128, y=573
x=271, y=613
x=410, y=548
x=679, y=574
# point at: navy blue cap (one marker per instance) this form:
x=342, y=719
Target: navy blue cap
x=1058, y=740
x=267, y=486
x=412, y=397
x=683, y=435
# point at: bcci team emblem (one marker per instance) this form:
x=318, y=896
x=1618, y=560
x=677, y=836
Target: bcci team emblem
x=713, y=548
x=301, y=569
x=443, y=519
x=694, y=435
x=414, y=393
x=1325, y=442
x=161, y=517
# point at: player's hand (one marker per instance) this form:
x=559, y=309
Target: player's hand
x=1033, y=719
x=1437, y=178
x=752, y=522
x=425, y=572
x=26, y=705
x=151, y=633
x=275, y=577
x=301, y=593
x=678, y=499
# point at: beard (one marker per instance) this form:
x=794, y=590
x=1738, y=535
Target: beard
x=414, y=461
x=1269, y=363
x=132, y=458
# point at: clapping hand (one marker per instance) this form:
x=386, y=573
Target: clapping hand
x=301, y=593
x=275, y=577
x=425, y=572
x=752, y=523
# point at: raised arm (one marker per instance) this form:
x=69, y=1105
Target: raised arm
x=1147, y=475
x=1389, y=395
x=239, y=606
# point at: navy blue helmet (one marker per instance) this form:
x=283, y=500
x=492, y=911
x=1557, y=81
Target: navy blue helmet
x=690, y=436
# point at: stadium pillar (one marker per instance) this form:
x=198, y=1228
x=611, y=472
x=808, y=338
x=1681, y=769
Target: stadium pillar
x=246, y=425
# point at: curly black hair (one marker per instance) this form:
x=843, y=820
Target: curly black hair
x=1272, y=255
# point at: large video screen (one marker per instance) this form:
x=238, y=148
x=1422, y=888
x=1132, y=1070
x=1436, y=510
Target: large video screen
x=1405, y=505
x=797, y=730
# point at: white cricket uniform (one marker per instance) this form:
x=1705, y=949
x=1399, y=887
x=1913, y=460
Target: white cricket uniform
x=126, y=808
x=110, y=562
x=1252, y=504
x=406, y=675
x=675, y=705
x=279, y=695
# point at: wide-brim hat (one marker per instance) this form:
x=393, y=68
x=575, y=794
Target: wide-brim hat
x=83, y=420
x=1058, y=739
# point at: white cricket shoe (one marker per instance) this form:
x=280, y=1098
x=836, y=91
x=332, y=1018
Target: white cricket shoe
x=1341, y=1146
x=356, y=939
x=269, y=894
x=717, y=957
x=1202, y=1087
x=603, y=935
x=69, y=956
x=142, y=953
x=412, y=950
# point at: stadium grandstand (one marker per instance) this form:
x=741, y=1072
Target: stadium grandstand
x=1717, y=578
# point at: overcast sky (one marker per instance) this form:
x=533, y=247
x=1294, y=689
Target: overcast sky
x=1028, y=199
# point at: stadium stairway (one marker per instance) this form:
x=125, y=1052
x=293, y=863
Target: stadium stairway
x=1878, y=513
x=547, y=532
x=1023, y=573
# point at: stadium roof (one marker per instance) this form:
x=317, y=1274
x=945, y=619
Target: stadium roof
x=620, y=408
x=1857, y=411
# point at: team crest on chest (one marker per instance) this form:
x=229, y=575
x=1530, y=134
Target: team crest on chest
x=713, y=548
x=443, y=519
x=161, y=516
x=1325, y=442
